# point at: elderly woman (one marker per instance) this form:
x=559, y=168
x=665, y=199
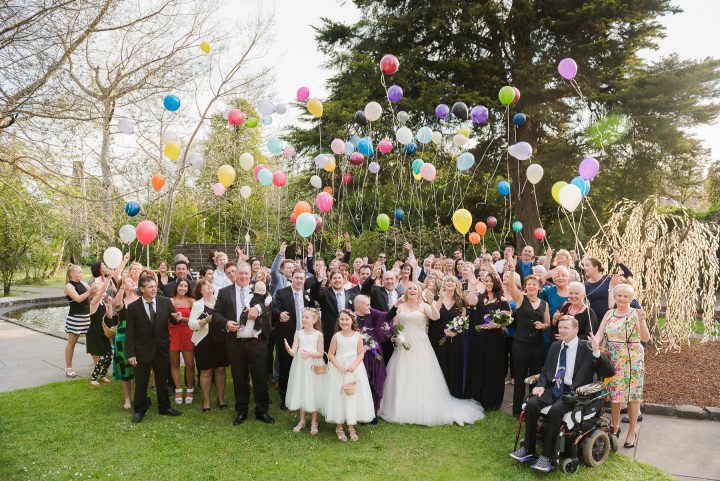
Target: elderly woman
x=575, y=307
x=624, y=329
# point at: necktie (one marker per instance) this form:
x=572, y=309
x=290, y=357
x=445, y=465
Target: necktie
x=339, y=300
x=298, y=311
x=152, y=312
x=560, y=374
x=241, y=307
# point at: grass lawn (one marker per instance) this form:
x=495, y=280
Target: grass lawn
x=69, y=430
x=698, y=326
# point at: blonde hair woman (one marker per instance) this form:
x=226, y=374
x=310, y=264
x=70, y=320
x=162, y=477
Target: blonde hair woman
x=78, y=293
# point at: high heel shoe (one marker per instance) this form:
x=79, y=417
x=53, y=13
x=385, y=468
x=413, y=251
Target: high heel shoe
x=189, y=395
x=299, y=426
x=628, y=445
x=178, y=396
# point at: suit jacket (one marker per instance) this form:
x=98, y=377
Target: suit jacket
x=226, y=310
x=325, y=297
x=285, y=301
x=378, y=295
x=169, y=289
x=145, y=338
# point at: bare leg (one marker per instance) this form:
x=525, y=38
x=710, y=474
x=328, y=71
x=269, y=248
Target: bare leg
x=189, y=359
x=126, y=393
x=220, y=384
x=175, y=367
x=70, y=349
x=633, y=411
x=616, y=414
x=205, y=380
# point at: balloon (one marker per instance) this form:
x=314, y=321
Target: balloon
x=464, y=132
x=218, y=189
x=395, y=93
x=267, y=119
x=521, y=150
x=348, y=148
x=246, y=161
x=459, y=140
x=302, y=94
x=112, y=257
x=589, y=168
x=389, y=64
x=330, y=166
x=373, y=111
x=570, y=197
x=337, y=146
x=539, y=233
x=517, y=96
x=581, y=184
x=265, y=177
x=302, y=207
x=404, y=135
x=411, y=148
x=357, y=158
x=491, y=222
x=245, y=191
x=125, y=127
x=365, y=147
x=316, y=181
x=346, y=178
x=462, y=219
x=474, y=238
x=315, y=107
x=479, y=114
x=427, y=171
x=460, y=110
x=503, y=188
x=321, y=160
x=465, y=161
x=374, y=167
x=274, y=145
x=442, y=111
x=157, y=182
x=383, y=222
x=127, y=233
x=172, y=150
x=506, y=95
x=257, y=170
x=251, y=122
x=417, y=163
x=205, y=47
x=318, y=223
x=265, y=107
x=424, y=135
x=436, y=138
x=171, y=103
x=402, y=117
x=360, y=117
x=235, y=117
x=279, y=178
x=399, y=214
x=481, y=228
x=385, y=146
x=132, y=208
x=225, y=113
x=519, y=119
x=534, y=173
x=293, y=218
x=328, y=189
x=567, y=68
x=417, y=176
x=305, y=225
x=517, y=226
x=146, y=232
x=280, y=109
x=555, y=191
x=196, y=160
x=226, y=175
x=168, y=136
x=324, y=201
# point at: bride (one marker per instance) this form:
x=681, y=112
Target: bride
x=415, y=389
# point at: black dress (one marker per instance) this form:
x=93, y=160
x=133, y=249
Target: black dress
x=587, y=320
x=450, y=355
x=211, y=352
x=528, y=350
x=96, y=343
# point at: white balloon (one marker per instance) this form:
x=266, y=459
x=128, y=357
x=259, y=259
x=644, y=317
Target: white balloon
x=246, y=161
x=459, y=140
x=265, y=107
x=112, y=257
x=245, y=191
x=127, y=234
x=521, y=150
x=316, y=181
x=534, y=173
x=437, y=138
x=404, y=135
x=321, y=160
x=226, y=112
x=168, y=136
x=402, y=117
x=373, y=111
x=196, y=160
x=280, y=109
x=570, y=197
x=125, y=127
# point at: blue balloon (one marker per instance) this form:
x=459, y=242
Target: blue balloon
x=171, y=102
x=349, y=148
x=519, y=119
x=465, y=161
x=504, y=188
x=354, y=140
x=132, y=209
x=417, y=163
x=581, y=184
x=365, y=147
x=265, y=177
x=411, y=148
x=399, y=214
x=267, y=119
x=305, y=224
x=424, y=135
x=275, y=145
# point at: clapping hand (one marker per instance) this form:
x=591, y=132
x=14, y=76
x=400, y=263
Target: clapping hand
x=539, y=325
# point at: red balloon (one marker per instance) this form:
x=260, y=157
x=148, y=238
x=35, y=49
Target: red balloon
x=279, y=178
x=157, y=182
x=235, y=117
x=146, y=232
x=517, y=96
x=389, y=64
x=293, y=218
x=318, y=223
x=539, y=233
x=491, y=222
x=474, y=238
x=346, y=178
x=301, y=207
x=357, y=158
x=481, y=228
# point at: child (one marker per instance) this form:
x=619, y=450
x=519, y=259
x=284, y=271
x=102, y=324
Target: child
x=346, y=364
x=259, y=297
x=305, y=388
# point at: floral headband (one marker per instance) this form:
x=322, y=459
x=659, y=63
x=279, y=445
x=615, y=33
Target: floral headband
x=349, y=313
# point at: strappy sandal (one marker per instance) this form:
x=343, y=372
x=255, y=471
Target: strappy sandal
x=341, y=434
x=353, y=434
x=299, y=426
x=94, y=383
x=105, y=380
x=178, y=399
x=313, y=428
x=70, y=372
x=189, y=395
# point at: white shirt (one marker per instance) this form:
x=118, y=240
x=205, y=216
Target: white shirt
x=500, y=266
x=339, y=299
x=220, y=279
x=242, y=299
x=392, y=297
x=571, y=354
x=147, y=307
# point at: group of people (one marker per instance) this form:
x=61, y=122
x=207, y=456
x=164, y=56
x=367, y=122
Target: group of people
x=430, y=342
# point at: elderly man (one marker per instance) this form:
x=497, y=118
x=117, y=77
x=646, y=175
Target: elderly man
x=525, y=264
x=382, y=297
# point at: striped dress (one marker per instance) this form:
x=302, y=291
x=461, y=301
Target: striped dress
x=78, y=319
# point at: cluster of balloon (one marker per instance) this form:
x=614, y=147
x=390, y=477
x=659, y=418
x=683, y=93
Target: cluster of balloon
x=570, y=195
x=462, y=220
x=383, y=222
x=125, y=127
x=132, y=208
x=158, y=181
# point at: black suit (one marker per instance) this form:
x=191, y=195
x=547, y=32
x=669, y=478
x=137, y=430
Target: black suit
x=327, y=300
x=585, y=366
x=245, y=355
x=379, y=300
x=148, y=340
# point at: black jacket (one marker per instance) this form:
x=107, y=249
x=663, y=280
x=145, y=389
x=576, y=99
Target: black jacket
x=325, y=297
x=145, y=338
x=378, y=295
x=285, y=301
x=226, y=310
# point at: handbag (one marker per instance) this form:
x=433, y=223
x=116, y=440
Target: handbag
x=109, y=331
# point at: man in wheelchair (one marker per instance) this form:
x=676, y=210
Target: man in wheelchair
x=570, y=364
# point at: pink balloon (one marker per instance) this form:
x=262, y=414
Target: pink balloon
x=357, y=158
x=346, y=179
x=146, y=232
x=567, y=68
x=293, y=218
x=337, y=146
x=302, y=94
x=218, y=189
x=235, y=117
x=257, y=170
x=428, y=172
x=589, y=168
x=318, y=223
x=289, y=151
x=324, y=201
x=539, y=233
x=385, y=146
x=279, y=178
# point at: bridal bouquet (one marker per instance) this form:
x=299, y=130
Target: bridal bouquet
x=371, y=344
x=498, y=317
x=395, y=331
x=457, y=325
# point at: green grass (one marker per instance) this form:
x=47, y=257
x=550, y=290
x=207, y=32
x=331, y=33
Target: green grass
x=69, y=430
x=698, y=326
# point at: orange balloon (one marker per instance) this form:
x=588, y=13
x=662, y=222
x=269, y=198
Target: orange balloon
x=474, y=238
x=480, y=228
x=301, y=208
x=157, y=182
x=328, y=189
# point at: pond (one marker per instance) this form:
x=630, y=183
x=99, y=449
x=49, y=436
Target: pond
x=46, y=318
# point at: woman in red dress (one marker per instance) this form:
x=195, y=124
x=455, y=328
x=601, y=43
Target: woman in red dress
x=181, y=342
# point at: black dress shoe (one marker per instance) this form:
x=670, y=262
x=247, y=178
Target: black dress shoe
x=170, y=412
x=283, y=407
x=374, y=421
x=628, y=445
x=239, y=419
x=265, y=418
x=137, y=417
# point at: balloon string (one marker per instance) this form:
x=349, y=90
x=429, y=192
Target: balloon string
x=537, y=208
x=602, y=230
x=562, y=231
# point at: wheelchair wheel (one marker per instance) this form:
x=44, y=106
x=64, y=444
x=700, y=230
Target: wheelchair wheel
x=614, y=444
x=596, y=449
x=569, y=466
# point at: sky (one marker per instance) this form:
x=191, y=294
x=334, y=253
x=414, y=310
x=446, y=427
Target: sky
x=297, y=62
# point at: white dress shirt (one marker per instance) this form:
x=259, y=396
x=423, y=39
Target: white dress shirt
x=220, y=280
x=147, y=307
x=242, y=300
x=392, y=297
x=339, y=299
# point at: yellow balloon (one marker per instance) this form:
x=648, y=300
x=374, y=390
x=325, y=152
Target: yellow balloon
x=172, y=150
x=315, y=107
x=417, y=176
x=205, y=47
x=465, y=132
x=330, y=166
x=462, y=219
x=226, y=175
x=556, y=190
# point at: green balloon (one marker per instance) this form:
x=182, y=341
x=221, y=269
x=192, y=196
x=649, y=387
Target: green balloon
x=517, y=226
x=417, y=163
x=506, y=95
x=251, y=122
x=383, y=221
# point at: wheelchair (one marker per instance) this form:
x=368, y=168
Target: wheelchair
x=585, y=431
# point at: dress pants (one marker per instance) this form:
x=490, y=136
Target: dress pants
x=249, y=357
x=527, y=359
x=553, y=419
x=159, y=366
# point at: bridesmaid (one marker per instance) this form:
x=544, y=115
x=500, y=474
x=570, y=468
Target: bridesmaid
x=181, y=342
x=450, y=354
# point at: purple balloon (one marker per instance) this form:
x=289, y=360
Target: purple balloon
x=374, y=167
x=589, y=168
x=395, y=93
x=567, y=68
x=442, y=111
x=479, y=114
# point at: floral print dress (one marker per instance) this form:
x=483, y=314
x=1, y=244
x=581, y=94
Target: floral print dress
x=627, y=355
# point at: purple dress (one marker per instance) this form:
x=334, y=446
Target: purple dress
x=373, y=324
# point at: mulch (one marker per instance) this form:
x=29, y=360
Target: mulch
x=686, y=377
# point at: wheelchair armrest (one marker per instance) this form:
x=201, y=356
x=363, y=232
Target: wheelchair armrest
x=591, y=389
x=532, y=379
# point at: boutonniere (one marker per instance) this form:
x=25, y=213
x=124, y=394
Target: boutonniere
x=350, y=301
x=252, y=286
x=307, y=298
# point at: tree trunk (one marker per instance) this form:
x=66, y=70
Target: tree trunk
x=107, y=184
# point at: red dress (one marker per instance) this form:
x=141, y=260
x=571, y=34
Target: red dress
x=180, y=334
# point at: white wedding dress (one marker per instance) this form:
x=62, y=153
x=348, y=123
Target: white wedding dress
x=415, y=390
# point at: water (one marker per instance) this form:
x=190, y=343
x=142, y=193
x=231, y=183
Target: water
x=47, y=318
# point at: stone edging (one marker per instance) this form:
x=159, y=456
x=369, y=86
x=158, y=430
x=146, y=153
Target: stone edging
x=682, y=411
x=39, y=302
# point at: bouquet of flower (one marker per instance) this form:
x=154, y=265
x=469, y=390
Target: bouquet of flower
x=371, y=344
x=395, y=331
x=497, y=317
x=457, y=325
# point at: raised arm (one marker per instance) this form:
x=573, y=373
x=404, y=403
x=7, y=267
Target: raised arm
x=348, y=249
x=514, y=291
x=118, y=270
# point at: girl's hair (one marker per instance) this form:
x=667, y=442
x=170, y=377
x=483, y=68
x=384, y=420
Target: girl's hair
x=438, y=279
x=596, y=262
x=197, y=292
x=177, y=284
x=497, y=287
x=457, y=292
x=316, y=315
x=70, y=269
x=355, y=326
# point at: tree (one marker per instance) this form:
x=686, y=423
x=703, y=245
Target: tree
x=712, y=184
